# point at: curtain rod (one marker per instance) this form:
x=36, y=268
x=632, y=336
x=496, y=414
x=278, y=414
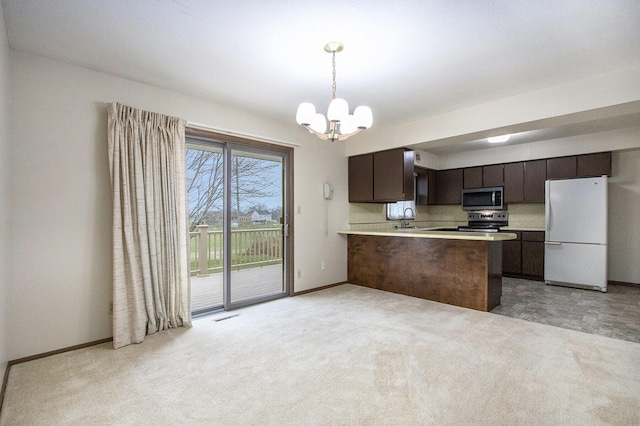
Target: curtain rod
x=244, y=135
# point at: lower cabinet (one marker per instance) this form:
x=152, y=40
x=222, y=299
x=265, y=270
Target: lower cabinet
x=533, y=254
x=524, y=256
x=459, y=272
x=512, y=255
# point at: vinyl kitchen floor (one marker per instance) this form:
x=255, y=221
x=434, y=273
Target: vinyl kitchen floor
x=614, y=314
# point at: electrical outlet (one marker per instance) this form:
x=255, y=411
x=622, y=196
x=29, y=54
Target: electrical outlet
x=323, y=265
x=299, y=273
x=110, y=308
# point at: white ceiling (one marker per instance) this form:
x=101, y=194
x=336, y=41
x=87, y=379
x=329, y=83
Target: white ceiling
x=407, y=59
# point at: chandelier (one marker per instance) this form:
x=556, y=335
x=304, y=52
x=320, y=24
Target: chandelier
x=341, y=124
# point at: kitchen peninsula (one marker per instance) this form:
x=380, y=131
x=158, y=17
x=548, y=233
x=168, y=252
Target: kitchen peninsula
x=458, y=268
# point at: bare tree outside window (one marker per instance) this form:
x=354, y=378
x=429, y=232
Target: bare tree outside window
x=256, y=186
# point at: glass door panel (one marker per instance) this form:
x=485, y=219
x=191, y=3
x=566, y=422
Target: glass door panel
x=238, y=197
x=205, y=189
x=257, y=231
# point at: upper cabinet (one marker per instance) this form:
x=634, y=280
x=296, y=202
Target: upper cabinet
x=449, y=186
x=524, y=181
x=594, y=165
x=493, y=175
x=381, y=177
x=393, y=175
x=361, y=178
x=561, y=167
x=514, y=182
x=425, y=186
x=535, y=173
x=585, y=165
x=472, y=177
x=388, y=176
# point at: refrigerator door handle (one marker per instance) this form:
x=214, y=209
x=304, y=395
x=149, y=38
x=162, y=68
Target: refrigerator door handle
x=547, y=207
x=553, y=243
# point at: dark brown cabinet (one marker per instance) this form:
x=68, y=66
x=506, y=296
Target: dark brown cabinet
x=535, y=173
x=594, y=165
x=483, y=176
x=561, y=167
x=585, y=165
x=361, y=178
x=533, y=254
x=472, y=177
x=425, y=186
x=512, y=255
x=514, y=182
x=385, y=176
x=433, y=177
x=524, y=256
x=523, y=181
x=449, y=186
x=393, y=175
x=493, y=175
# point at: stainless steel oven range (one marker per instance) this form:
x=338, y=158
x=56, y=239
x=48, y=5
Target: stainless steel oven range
x=486, y=221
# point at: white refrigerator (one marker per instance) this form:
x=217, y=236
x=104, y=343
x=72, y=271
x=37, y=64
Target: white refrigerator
x=575, y=247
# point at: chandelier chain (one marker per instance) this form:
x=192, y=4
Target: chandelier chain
x=333, y=86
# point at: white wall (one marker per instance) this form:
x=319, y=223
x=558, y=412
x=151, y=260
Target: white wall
x=624, y=217
x=5, y=84
x=577, y=101
x=60, y=259
x=622, y=139
x=317, y=220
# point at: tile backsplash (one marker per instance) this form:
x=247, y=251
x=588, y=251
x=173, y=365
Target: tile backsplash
x=526, y=216
x=373, y=216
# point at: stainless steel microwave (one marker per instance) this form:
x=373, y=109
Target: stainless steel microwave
x=483, y=198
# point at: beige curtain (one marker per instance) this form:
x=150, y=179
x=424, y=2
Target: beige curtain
x=150, y=256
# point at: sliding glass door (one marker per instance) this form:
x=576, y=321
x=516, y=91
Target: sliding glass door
x=257, y=225
x=238, y=212
x=205, y=189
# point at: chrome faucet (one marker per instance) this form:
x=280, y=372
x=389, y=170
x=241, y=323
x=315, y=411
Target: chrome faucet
x=405, y=222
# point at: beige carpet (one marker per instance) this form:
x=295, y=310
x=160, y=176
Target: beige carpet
x=346, y=355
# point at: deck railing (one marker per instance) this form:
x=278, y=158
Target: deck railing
x=249, y=247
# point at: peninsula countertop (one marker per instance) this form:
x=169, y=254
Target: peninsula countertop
x=433, y=233
x=455, y=267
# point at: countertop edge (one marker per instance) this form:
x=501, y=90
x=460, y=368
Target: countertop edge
x=449, y=235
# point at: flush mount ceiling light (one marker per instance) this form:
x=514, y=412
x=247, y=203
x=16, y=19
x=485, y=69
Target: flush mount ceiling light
x=341, y=124
x=498, y=139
